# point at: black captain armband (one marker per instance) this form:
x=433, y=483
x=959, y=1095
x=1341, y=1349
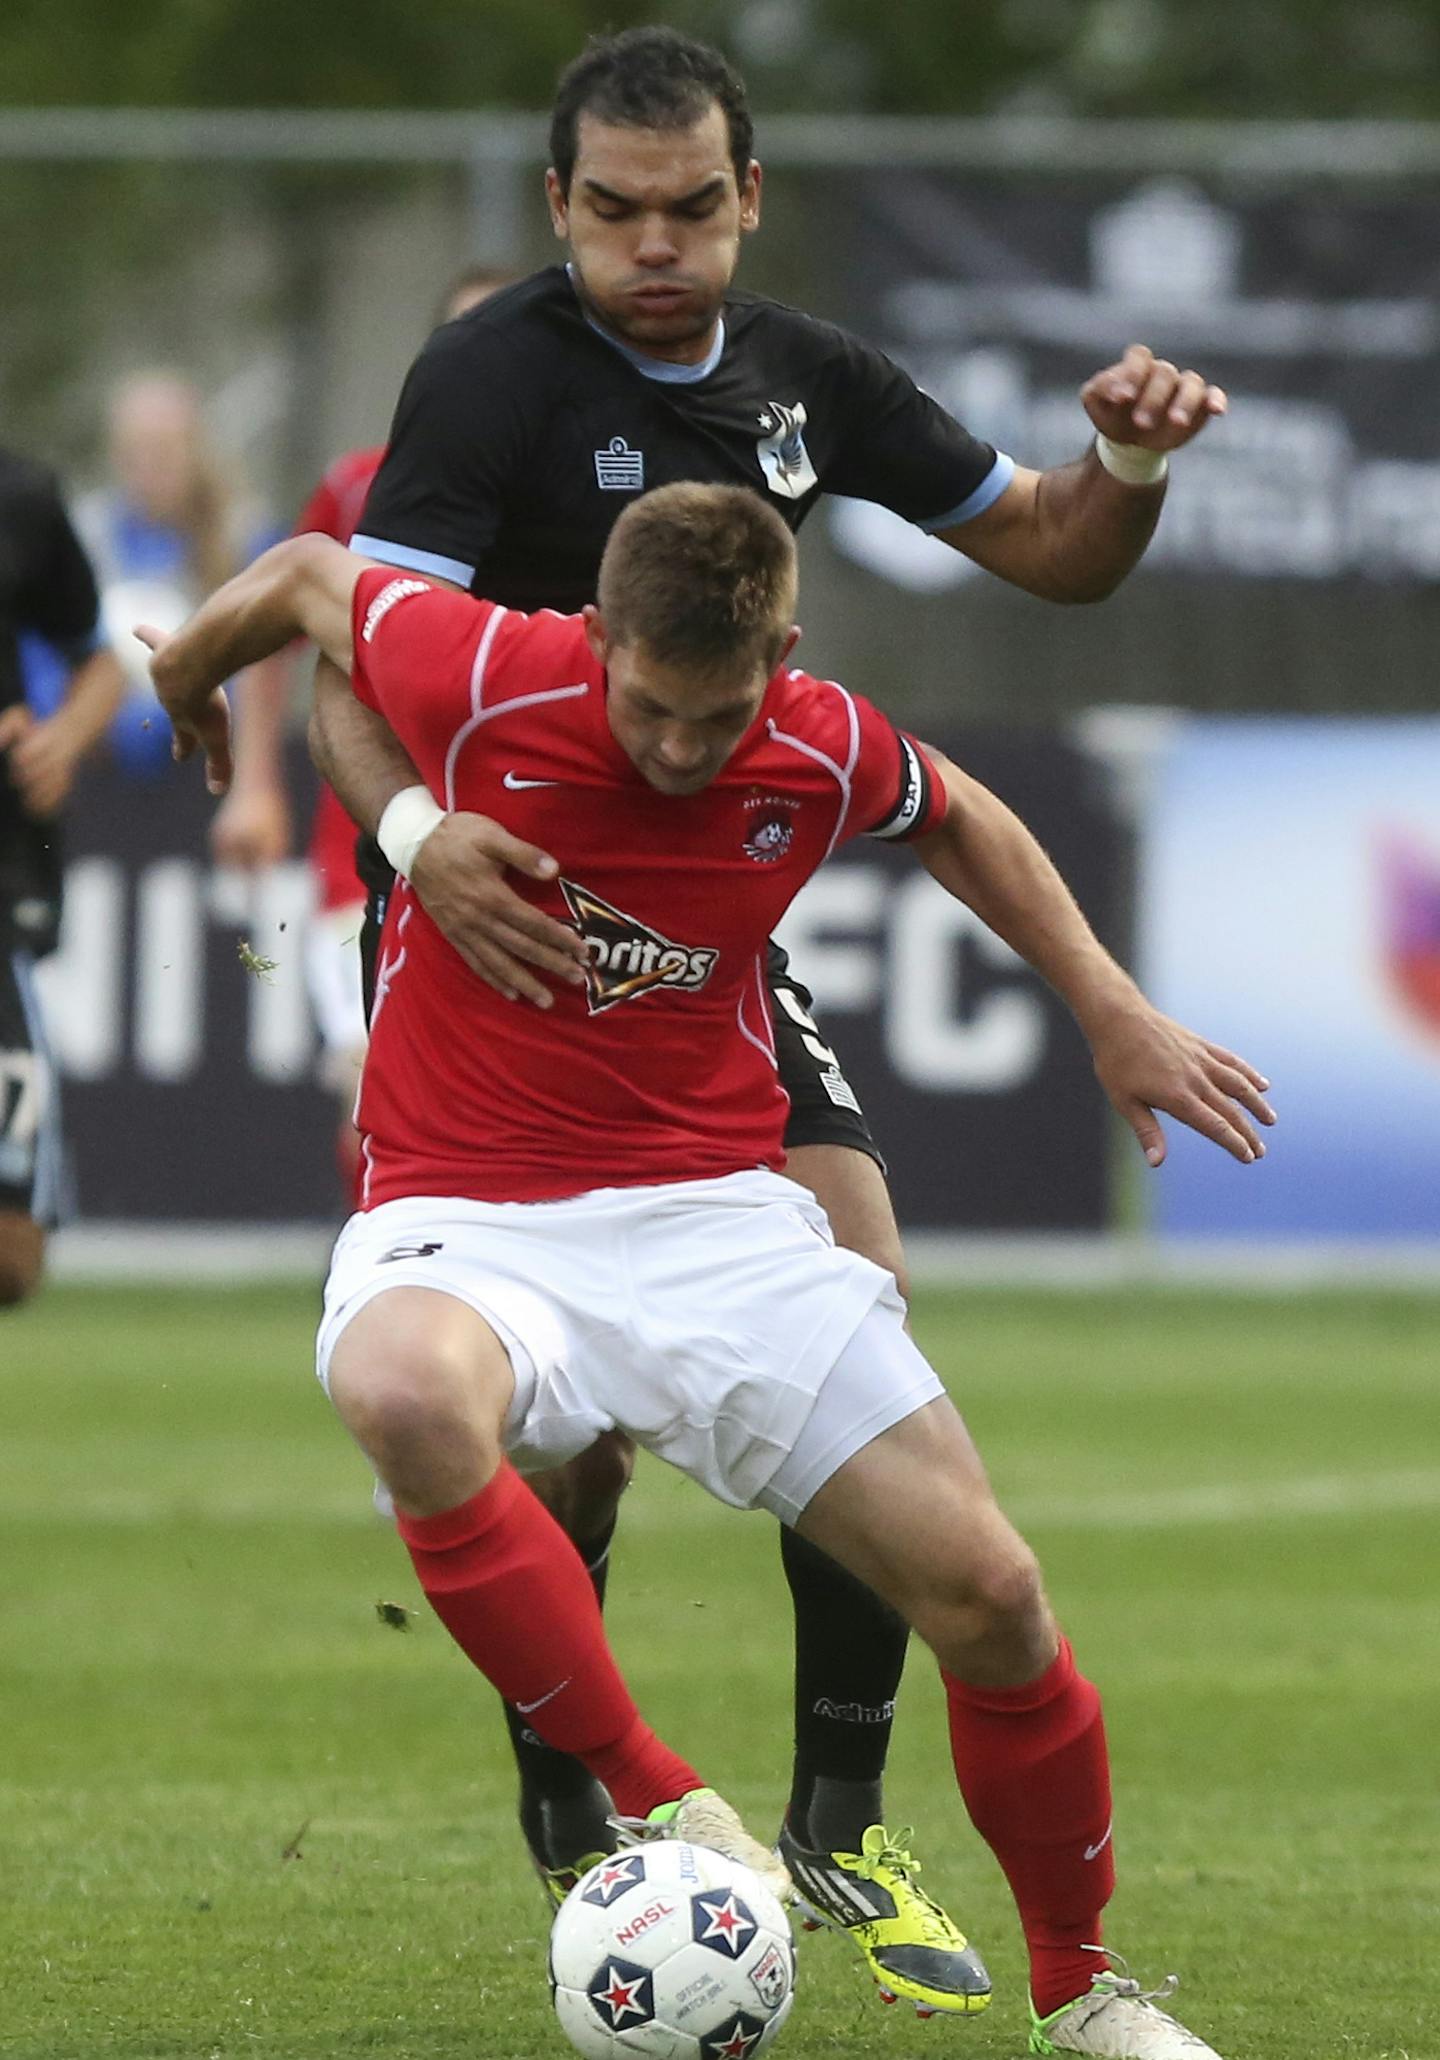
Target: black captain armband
x=912, y=802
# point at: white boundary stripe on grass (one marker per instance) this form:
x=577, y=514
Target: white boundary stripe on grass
x=1320, y=1495
x=1236, y=1502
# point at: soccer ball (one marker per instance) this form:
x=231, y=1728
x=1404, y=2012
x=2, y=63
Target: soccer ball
x=671, y=1951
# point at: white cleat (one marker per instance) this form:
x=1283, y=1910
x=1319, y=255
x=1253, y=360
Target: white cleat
x=705, y=1818
x=1117, y=2020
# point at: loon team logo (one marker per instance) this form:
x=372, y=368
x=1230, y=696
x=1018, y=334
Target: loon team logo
x=781, y=450
x=627, y=957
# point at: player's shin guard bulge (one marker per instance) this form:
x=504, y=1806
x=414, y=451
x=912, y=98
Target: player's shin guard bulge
x=514, y=1595
x=1034, y=1771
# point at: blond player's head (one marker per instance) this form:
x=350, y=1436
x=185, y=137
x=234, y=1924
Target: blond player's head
x=695, y=611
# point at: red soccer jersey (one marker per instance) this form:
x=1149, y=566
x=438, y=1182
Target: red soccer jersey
x=334, y=509
x=662, y=1068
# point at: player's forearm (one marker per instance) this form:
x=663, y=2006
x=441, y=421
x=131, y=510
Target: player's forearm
x=95, y=691
x=262, y=701
x=1069, y=534
x=984, y=855
x=355, y=749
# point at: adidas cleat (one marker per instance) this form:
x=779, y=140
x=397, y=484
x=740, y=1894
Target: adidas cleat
x=913, y=1950
x=1116, y=2020
x=705, y=1818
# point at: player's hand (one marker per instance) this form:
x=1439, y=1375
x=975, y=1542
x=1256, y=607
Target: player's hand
x=459, y=875
x=1147, y=1063
x=251, y=827
x=202, y=725
x=41, y=759
x=1149, y=401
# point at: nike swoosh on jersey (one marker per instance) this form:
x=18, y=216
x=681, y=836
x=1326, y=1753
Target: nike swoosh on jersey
x=526, y=1707
x=1093, y=1852
x=514, y=782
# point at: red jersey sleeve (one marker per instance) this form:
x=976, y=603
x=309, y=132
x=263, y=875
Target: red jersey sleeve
x=417, y=650
x=898, y=791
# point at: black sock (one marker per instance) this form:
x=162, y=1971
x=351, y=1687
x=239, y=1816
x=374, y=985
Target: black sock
x=849, y=1656
x=562, y=1807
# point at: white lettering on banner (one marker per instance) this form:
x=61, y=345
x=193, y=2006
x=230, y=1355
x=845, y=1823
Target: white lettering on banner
x=993, y=1047
x=168, y=986
x=89, y=1004
x=80, y=984
x=840, y=975
x=933, y=1038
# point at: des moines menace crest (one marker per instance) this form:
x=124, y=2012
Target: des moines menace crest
x=627, y=957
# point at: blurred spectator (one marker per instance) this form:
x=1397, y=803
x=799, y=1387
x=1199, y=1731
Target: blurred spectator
x=168, y=528
x=47, y=589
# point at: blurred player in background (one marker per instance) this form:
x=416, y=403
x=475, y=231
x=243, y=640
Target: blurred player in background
x=521, y=434
x=576, y=1226
x=168, y=527
x=47, y=588
x=252, y=826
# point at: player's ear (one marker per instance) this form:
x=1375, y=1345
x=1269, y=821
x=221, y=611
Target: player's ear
x=559, y=204
x=595, y=635
x=750, y=197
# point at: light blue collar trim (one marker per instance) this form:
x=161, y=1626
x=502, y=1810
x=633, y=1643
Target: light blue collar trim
x=660, y=369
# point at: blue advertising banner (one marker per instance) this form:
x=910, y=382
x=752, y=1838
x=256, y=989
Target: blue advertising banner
x=1290, y=908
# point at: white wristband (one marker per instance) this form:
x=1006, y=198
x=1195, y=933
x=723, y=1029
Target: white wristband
x=1131, y=463
x=408, y=819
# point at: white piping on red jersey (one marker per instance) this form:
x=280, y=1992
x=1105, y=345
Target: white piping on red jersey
x=841, y=774
x=766, y=1042
x=479, y=713
x=390, y=965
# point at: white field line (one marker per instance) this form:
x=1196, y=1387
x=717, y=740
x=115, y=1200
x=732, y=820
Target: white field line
x=1259, y=1501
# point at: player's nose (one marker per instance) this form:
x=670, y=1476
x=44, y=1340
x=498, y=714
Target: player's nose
x=657, y=245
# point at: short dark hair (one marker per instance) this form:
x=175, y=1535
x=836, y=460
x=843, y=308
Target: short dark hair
x=477, y=277
x=649, y=78
x=703, y=576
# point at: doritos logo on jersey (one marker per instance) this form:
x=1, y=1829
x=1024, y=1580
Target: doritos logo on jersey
x=627, y=957
x=394, y=590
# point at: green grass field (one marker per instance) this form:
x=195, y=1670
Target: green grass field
x=243, y=1818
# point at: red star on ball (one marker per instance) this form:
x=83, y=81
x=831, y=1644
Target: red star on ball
x=726, y=1921
x=737, y=2045
x=620, y=1997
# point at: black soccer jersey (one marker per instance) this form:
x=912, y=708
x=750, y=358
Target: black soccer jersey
x=46, y=584
x=523, y=430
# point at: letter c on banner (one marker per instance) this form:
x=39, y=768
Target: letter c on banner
x=933, y=1041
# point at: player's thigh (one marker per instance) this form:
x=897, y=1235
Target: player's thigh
x=415, y=1366
x=912, y=1514
x=851, y=1189
x=584, y=1494
x=22, y=1255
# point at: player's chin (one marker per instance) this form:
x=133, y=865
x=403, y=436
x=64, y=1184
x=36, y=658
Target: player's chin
x=677, y=783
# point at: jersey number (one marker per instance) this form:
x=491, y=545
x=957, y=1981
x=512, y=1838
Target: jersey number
x=21, y=1097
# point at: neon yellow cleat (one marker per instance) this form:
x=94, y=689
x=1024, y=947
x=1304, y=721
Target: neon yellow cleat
x=911, y=1947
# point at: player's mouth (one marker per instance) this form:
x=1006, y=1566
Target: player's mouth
x=659, y=298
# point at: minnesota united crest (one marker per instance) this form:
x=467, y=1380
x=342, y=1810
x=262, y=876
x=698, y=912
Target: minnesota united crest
x=781, y=450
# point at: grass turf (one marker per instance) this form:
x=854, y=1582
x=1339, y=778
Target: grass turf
x=243, y=1817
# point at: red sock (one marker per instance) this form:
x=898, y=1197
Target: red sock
x=513, y=1593
x=1035, y=1775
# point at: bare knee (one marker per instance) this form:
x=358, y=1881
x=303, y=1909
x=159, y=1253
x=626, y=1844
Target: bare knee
x=988, y=1621
x=22, y=1257
x=423, y=1390
x=584, y=1494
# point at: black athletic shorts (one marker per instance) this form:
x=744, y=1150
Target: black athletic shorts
x=824, y=1107
x=30, y=1149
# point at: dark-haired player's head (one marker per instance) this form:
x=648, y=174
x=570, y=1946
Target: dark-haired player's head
x=696, y=604
x=653, y=184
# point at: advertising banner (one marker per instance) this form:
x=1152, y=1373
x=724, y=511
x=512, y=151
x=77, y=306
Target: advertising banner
x=192, y=1082
x=1290, y=906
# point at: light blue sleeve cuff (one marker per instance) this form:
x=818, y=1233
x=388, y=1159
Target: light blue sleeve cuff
x=413, y=561
x=986, y=494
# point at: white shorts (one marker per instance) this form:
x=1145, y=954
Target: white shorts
x=702, y=1317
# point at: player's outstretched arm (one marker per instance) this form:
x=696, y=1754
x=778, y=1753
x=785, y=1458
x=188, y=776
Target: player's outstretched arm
x=301, y=587
x=984, y=855
x=1074, y=532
